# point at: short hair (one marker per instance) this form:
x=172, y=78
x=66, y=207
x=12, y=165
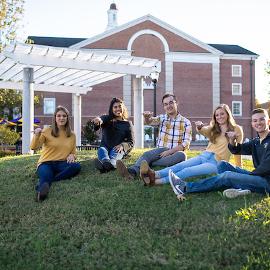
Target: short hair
x=260, y=110
x=169, y=95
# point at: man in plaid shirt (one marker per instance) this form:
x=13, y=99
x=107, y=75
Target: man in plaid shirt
x=174, y=137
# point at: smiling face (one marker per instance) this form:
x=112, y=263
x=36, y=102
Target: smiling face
x=117, y=109
x=221, y=116
x=260, y=123
x=170, y=106
x=61, y=119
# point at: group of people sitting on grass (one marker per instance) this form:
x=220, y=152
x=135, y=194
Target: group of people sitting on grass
x=57, y=160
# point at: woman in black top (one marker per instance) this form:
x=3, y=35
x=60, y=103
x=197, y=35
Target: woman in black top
x=117, y=136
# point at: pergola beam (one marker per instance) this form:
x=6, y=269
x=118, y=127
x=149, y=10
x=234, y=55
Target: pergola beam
x=47, y=88
x=36, y=60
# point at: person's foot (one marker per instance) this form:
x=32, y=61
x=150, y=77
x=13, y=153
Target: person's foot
x=147, y=174
x=123, y=170
x=108, y=165
x=233, y=192
x=99, y=165
x=178, y=185
x=42, y=194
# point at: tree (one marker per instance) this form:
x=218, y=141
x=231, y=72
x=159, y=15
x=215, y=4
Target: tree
x=10, y=15
x=9, y=100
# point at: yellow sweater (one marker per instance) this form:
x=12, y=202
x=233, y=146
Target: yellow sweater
x=54, y=148
x=220, y=147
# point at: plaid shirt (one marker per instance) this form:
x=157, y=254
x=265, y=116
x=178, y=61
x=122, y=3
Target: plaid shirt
x=172, y=132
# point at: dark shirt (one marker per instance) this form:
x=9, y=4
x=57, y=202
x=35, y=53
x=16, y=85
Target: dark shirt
x=260, y=152
x=115, y=132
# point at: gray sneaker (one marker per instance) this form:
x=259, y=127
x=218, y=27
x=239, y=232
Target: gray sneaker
x=178, y=185
x=235, y=192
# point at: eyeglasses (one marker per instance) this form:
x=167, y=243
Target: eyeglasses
x=168, y=104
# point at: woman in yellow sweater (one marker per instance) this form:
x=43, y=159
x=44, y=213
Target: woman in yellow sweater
x=205, y=163
x=57, y=160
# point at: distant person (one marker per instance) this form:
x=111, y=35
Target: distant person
x=237, y=181
x=206, y=163
x=117, y=136
x=57, y=159
x=173, y=139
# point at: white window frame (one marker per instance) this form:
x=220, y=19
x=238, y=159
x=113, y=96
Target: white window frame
x=240, y=108
x=234, y=74
x=51, y=111
x=240, y=89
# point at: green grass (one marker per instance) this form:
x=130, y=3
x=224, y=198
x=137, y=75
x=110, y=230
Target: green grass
x=100, y=221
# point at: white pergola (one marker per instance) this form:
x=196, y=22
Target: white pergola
x=32, y=68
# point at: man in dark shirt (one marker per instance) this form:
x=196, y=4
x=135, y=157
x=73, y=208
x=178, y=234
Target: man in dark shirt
x=235, y=180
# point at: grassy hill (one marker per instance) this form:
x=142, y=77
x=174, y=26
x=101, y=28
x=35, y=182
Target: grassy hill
x=100, y=221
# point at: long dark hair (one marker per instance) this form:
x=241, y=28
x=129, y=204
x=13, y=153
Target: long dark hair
x=55, y=129
x=216, y=130
x=125, y=111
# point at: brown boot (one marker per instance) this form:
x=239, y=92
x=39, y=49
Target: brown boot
x=147, y=174
x=123, y=170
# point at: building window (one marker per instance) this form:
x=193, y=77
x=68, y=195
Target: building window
x=48, y=105
x=237, y=108
x=237, y=89
x=236, y=71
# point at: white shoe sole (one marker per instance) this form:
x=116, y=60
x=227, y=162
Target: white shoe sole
x=233, y=193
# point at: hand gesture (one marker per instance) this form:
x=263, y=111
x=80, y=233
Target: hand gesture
x=199, y=124
x=147, y=114
x=97, y=121
x=37, y=131
x=232, y=135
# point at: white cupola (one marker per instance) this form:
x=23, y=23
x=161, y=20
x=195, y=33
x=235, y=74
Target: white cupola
x=112, y=17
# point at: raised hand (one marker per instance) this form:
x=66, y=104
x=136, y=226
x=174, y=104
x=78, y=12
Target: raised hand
x=37, y=131
x=97, y=121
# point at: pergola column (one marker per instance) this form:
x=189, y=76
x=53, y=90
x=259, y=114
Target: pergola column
x=27, y=109
x=138, y=111
x=77, y=109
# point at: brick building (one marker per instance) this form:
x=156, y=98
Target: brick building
x=200, y=75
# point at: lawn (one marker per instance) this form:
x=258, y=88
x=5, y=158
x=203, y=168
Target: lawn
x=100, y=221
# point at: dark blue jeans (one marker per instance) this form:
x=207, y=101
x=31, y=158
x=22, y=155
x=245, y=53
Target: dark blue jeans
x=52, y=171
x=230, y=176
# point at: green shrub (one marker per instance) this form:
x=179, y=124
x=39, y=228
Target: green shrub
x=89, y=132
x=7, y=136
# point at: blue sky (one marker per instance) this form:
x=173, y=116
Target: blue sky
x=241, y=22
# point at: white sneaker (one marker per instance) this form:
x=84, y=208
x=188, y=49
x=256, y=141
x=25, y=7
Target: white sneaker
x=233, y=192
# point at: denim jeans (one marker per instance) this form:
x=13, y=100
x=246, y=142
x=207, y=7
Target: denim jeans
x=109, y=155
x=230, y=177
x=203, y=164
x=52, y=171
x=153, y=158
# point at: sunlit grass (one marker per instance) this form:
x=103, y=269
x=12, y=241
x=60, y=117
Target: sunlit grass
x=100, y=221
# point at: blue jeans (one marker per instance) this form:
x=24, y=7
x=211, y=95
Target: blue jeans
x=52, y=171
x=230, y=177
x=203, y=164
x=111, y=155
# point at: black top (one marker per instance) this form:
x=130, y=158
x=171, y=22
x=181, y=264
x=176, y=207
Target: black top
x=260, y=152
x=116, y=132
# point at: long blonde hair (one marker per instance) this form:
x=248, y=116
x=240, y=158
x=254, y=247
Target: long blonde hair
x=215, y=128
x=55, y=129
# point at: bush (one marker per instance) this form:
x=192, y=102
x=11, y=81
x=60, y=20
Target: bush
x=89, y=132
x=7, y=136
x=4, y=153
